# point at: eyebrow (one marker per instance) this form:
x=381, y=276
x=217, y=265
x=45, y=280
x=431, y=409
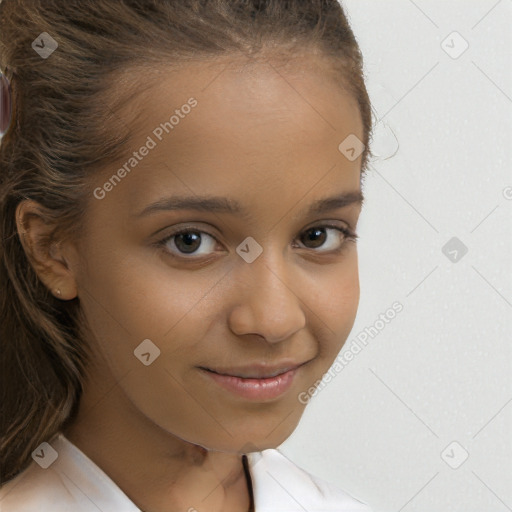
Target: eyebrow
x=218, y=204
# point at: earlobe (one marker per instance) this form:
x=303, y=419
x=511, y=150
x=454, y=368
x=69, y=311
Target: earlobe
x=43, y=252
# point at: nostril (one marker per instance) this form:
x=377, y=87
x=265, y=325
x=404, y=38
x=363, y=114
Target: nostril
x=5, y=104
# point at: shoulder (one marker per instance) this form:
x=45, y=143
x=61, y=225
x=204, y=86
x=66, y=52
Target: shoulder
x=36, y=489
x=69, y=482
x=280, y=485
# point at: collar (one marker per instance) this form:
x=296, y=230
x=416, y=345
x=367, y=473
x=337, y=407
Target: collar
x=279, y=485
x=72, y=481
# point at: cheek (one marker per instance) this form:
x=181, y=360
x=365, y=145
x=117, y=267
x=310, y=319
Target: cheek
x=333, y=301
x=131, y=298
x=136, y=297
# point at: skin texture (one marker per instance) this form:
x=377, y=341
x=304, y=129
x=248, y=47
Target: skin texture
x=268, y=137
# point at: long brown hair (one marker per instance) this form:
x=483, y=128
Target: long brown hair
x=64, y=109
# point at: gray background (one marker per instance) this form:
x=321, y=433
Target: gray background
x=440, y=371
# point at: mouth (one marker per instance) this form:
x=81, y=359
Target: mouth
x=255, y=383
x=255, y=371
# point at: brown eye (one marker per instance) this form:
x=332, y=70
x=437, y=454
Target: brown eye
x=187, y=242
x=315, y=236
x=318, y=238
x=191, y=243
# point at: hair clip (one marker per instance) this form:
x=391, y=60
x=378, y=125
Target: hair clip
x=5, y=104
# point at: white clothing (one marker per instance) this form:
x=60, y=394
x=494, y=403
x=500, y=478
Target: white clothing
x=74, y=483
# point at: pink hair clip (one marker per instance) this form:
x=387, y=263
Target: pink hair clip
x=5, y=104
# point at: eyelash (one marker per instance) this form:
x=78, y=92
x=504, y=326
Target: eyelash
x=350, y=236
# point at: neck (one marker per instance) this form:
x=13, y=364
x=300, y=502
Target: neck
x=156, y=470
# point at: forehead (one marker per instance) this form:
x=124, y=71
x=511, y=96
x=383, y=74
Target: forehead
x=238, y=92
x=255, y=126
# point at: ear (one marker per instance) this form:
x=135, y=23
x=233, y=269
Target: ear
x=51, y=259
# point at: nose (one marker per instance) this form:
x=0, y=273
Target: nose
x=267, y=304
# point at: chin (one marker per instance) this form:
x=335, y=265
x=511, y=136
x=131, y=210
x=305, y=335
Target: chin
x=246, y=438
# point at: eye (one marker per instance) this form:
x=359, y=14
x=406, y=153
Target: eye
x=188, y=240
x=317, y=236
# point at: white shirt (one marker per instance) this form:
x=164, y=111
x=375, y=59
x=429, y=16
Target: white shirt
x=74, y=483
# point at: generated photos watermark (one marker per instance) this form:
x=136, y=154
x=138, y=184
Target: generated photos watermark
x=356, y=346
x=158, y=133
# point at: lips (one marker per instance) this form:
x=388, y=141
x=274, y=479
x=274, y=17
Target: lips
x=256, y=371
x=260, y=389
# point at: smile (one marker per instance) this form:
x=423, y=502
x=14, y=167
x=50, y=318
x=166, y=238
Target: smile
x=259, y=388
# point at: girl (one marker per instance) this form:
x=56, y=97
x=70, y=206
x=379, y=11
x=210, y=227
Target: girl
x=180, y=189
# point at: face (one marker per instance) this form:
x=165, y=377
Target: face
x=249, y=293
